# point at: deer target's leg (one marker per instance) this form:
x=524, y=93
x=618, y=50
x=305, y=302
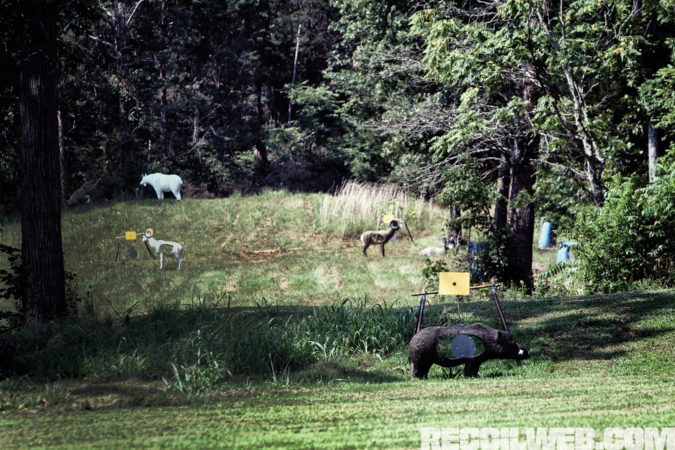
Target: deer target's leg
x=365, y=243
x=178, y=253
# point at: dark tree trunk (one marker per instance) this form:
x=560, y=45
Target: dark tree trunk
x=521, y=216
x=42, y=255
x=455, y=231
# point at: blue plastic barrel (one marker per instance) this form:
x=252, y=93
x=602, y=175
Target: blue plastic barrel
x=546, y=236
x=476, y=247
x=564, y=251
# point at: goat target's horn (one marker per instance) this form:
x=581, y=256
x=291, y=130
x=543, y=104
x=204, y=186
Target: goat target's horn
x=393, y=223
x=149, y=233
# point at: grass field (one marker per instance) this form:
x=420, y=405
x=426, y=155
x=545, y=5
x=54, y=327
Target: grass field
x=254, y=345
x=271, y=247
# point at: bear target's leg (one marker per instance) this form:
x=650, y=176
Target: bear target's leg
x=471, y=368
x=420, y=369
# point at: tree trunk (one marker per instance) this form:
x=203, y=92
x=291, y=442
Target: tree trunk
x=261, y=161
x=521, y=218
x=62, y=157
x=501, y=204
x=195, y=125
x=162, y=112
x=41, y=251
x=652, y=150
x=295, y=66
x=591, y=152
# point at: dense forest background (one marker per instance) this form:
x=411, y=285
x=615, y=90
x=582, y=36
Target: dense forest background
x=495, y=108
x=384, y=90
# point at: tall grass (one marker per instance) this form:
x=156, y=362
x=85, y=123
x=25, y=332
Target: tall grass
x=195, y=348
x=356, y=207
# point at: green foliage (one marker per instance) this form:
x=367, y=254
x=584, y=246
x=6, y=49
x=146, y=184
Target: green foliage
x=557, y=197
x=431, y=270
x=466, y=190
x=11, y=288
x=658, y=96
x=353, y=327
x=197, y=349
x=625, y=340
x=559, y=280
x=630, y=238
x=491, y=260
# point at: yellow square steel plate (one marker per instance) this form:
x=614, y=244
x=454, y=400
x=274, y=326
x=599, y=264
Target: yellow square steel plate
x=454, y=283
x=387, y=218
x=131, y=235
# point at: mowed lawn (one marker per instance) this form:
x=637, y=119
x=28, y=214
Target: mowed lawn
x=353, y=415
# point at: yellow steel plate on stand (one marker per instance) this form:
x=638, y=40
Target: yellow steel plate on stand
x=130, y=235
x=454, y=283
x=387, y=218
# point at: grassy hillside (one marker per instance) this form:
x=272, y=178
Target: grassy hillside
x=254, y=345
x=274, y=248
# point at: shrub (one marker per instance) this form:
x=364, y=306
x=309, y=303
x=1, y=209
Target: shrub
x=11, y=288
x=630, y=238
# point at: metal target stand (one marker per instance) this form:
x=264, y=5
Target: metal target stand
x=130, y=236
x=457, y=283
x=493, y=287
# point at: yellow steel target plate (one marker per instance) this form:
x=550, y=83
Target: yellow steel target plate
x=454, y=283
